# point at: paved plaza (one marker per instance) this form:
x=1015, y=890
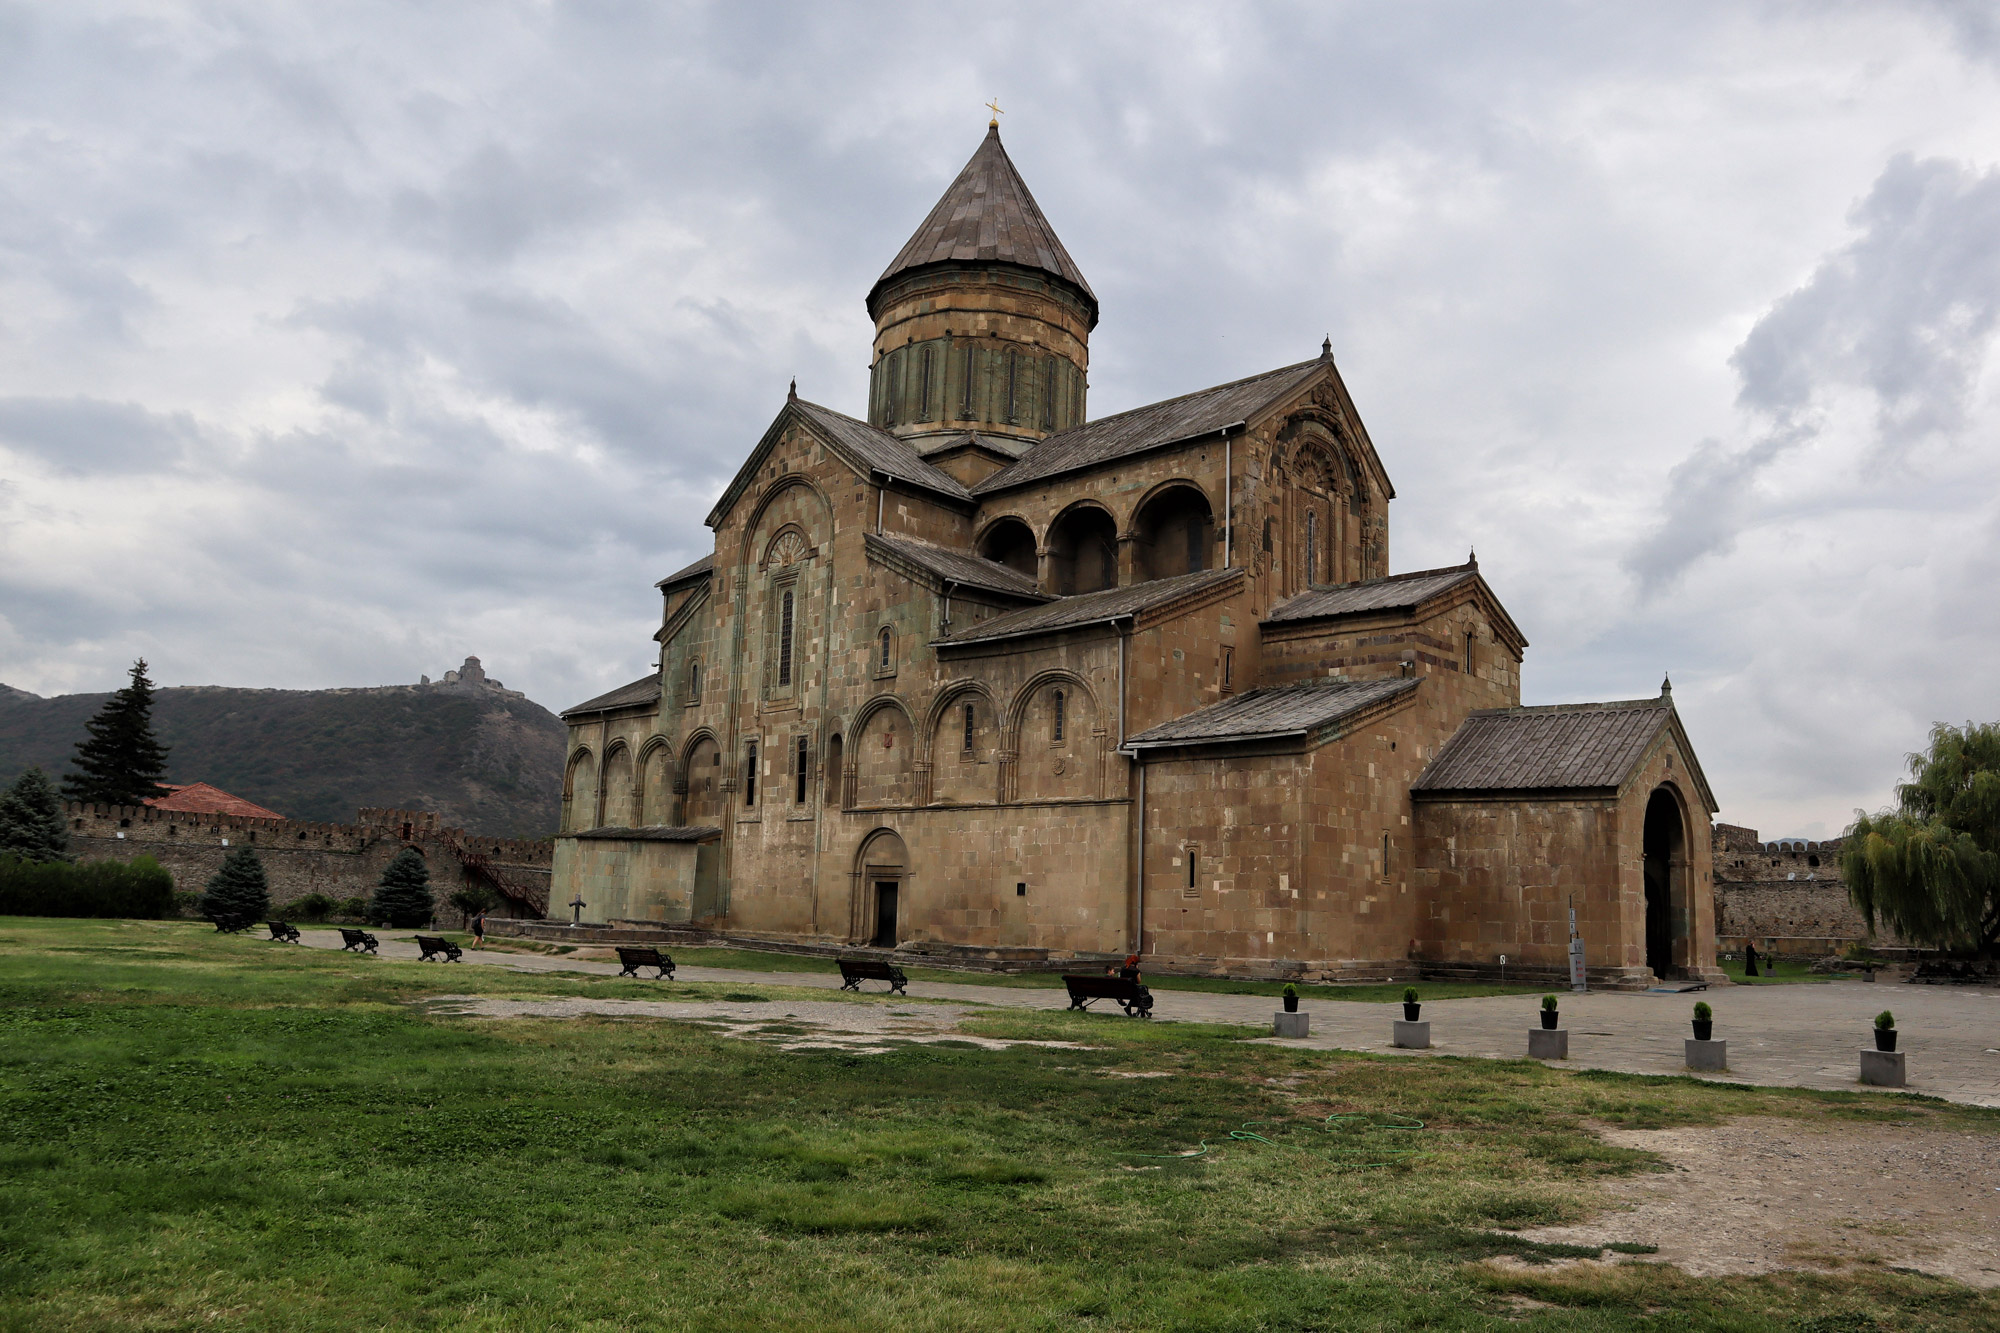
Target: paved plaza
x=1802, y=1035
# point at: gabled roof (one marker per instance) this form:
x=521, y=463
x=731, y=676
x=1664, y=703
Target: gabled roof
x=1190, y=416
x=988, y=215
x=1395, y=592
x=957, y=567
x=869, y=451
x=700, y=569
x=199, y=798
x=1560, y=747
x=645, y=690
x=1281, y=712
x=1091, y=608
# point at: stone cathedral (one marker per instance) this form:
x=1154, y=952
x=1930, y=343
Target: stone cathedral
x=984, y=674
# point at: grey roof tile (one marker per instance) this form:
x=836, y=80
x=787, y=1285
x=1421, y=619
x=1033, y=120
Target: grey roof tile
x=705, y=565
x=959, y=567
x=881, y=451
x=644, y=690
x=1275, y=711
x=988, y=214
x=1155, y=424
x=1396, y=592
x=1090, y=607
x=1563, y=747
x=654, y=833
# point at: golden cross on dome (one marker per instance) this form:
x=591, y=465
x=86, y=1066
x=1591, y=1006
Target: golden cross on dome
x=994, y=107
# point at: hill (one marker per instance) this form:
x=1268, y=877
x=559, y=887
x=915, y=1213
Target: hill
x=486, y=758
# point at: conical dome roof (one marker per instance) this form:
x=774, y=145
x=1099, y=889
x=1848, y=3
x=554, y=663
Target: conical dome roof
x=988, y=216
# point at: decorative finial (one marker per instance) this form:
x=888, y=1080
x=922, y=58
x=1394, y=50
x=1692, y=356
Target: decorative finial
x=1472, y=557
x=1666, y=687
x=792, y=394
x=1326, y=348
x=994, y=107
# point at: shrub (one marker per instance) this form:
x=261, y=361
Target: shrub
x=1549, y=1003
x=351, y=909
x=311, y=907
x=1702, y=1013
x=31, y=820
x=187, y=902
x=239, y=889
x=1885, y=1020
x=404, y=897
x=135, y=888
x=473, y=899
x=1409, y=995
x=1291, y=992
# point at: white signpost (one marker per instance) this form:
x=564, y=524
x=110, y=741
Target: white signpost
x=1576, y=975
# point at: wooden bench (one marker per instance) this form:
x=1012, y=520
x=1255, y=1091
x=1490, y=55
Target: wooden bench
x=854, y=971
x=433, y=947
x=283, y=930
x=631, y=960
x=230, y=923
x=1134, y=998
x=358, y=941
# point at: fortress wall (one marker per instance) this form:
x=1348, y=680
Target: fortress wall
x=299, y=856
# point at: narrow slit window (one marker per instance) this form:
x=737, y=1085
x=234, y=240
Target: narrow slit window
x=1228, y=666
x=1013, y=361
x=1312, y=546
x=694, y=682
x=968, y=729
x=925, y=414
x=750, y=774
x=1471, y=648
x=799, y=774
x=1056, y=731
x=1192, y=858
x=1049, y=395
x=883, y=641
x=785, y=639
x=1386, y=867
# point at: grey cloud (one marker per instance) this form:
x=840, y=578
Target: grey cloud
x=80, y=435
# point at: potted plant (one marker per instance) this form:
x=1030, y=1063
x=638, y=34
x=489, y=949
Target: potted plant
x=1704, y=1021
x=1549, y=1012
x=1291, y=998
x=1885, y=1031
x=1410, y=1005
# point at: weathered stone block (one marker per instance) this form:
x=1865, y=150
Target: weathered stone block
x=1291, y=1025
x=1413, y=1036
x=1548, y=1043
x=1884, y=1069
x=1707, y=1054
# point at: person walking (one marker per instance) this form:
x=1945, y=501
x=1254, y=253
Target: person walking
x=479, y=931
x=1750, y=958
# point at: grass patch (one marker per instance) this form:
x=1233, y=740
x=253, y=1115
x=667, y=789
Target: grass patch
x=219, y=1132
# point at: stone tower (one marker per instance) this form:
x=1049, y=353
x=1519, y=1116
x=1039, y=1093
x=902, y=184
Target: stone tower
x=982, y=325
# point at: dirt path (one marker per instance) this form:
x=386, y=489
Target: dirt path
x=1760, y=1194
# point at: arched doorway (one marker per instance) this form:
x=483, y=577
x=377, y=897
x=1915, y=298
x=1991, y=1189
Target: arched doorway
x=1665, y=863
x=1083, y=551
x=1176, y=533
x=881, y=869
x=1010, y=542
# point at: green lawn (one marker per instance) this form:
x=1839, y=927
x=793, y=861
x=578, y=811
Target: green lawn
x=1787, y=972
x=220, y=1132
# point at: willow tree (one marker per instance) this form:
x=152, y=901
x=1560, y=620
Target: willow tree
x=1930, y=868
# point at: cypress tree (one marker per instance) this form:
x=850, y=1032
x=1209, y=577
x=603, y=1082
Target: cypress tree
x=404, y=896
x=239, y=889
x=120, y=762
x=31, y=820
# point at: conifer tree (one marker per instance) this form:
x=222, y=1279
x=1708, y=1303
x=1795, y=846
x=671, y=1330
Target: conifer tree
x=31, y=820
x=239, y=889
x=120, y=762
x=403, y=898
x=1930, y=868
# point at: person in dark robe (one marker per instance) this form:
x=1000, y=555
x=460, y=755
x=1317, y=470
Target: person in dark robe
x=1750, y=960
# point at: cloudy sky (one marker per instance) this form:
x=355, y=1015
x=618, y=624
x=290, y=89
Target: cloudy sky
x=340, y=341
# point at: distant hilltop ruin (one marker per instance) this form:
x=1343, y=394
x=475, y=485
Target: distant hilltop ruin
x=469, y=676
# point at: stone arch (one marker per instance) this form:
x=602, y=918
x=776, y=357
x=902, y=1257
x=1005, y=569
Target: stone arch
x=1010, y=540
x=656, y=781
x=1047, y=764
x=884, y=742
x=1665, y=874
x=962, y=774
x=773, y=493
x=620, y=775
x=1173, y=531
x=1083, y=549
x=700, y=782
x=579, y=810
x=881, y=879
x=790, y=544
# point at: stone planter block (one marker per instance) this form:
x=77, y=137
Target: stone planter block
x=1291, y=1025
x=1884, y=1069
x=1548, y=1043
x=1414, y=1036
x=1707, y=1054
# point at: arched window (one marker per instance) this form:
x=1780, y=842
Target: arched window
x=785, y=639
x=968, y=729
x=799, y=773
x=1471, y=652
x=834, y=777
x=1312, y=547
x=1267, y=534
x=694, y=682
x=925, y=414
x=1056, y=720
x=884, y=642
x=750, y=774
